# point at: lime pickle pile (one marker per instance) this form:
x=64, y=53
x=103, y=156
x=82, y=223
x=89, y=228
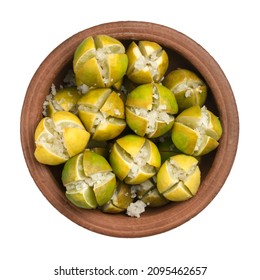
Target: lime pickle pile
x=128, y=135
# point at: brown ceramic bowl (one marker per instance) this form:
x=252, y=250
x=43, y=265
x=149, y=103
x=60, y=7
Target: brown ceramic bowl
x=183, y=52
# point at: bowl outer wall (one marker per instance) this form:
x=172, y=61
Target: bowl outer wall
x=154, y=221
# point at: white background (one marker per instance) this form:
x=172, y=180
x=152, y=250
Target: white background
x=36, y=238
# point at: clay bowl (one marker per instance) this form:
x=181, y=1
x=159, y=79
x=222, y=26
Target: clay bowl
x=183, y=52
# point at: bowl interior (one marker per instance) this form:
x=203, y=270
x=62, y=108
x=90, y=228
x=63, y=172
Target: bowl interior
x=215, y=167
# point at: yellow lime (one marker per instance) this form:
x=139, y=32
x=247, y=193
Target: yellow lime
x=134, y=159
x=148, y=62
x=102, y=113
x=150, y=110
x=179, y=178
x=187, y=87
x=100, y=61
x=88, y=179
x=64, y=99
x=196, y=131
x=59, y=138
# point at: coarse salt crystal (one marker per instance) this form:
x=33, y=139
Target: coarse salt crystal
x=187, y=93
x=53, y=89
x=136, y=208
x=117, y=112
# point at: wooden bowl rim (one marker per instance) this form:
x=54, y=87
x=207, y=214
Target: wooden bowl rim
x=155, y=221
